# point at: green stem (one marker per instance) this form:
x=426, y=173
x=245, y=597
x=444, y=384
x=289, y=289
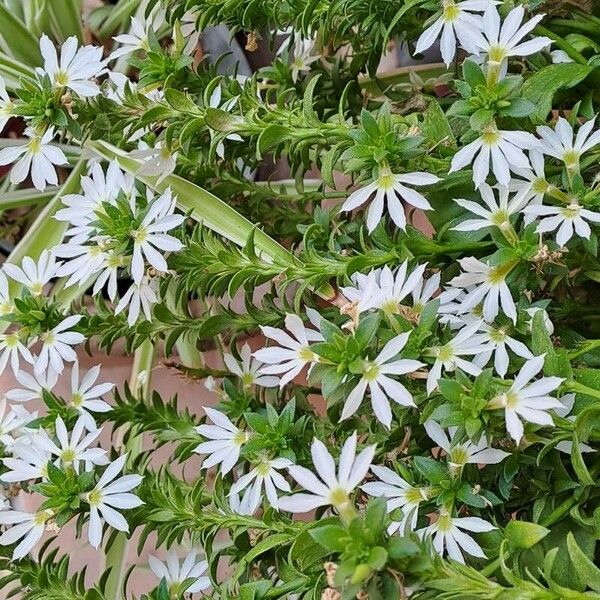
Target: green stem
x=586, y=347
x=560, y=42
x=580, y=388
x=139, y=383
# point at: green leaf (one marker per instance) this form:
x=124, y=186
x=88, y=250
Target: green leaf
x=370, y=124
x=588, y=572
x=524, y=535
x=579, y=466
x=540, y=88
x=400, y=547
x=480, y=118
x=24, y=46
x=377, y=558
x=473, y=74
x=435, y=127
x=519, y=107
x=431, y=469
x=331, y=537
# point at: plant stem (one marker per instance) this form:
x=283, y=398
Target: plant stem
x=580, y=388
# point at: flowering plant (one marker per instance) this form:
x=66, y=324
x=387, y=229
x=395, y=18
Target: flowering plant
x=409, y=379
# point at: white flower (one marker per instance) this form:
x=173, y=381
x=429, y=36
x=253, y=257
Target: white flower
x=11, y=348
x=144, y=295
x=56, y=345
x=175, y=574
x=456, y=21
x=109, y=274
x=76, y=67
x=382, y=288
x=249, y=369
x=497, y=214
x=529, y=401
x=33, y=385
x=157, y=160
x=293, y=353
x=302, y=57
x=382, y=387
x=34, y=276
x=189, y=30
x=568, y=219
x=423, y=292
x=498, y=340
x=463, y=453
x=98, y=188
x=107, y=496
x=448, y=356
x=29, y=461
x=6, y=105
x=29, y=526
x=503, y=148
x=333, y=489
x=266, y=475
x=247, y=504
x=6, y=304
x=73, y=450
x=37, y=155
x=448, y=535
x=389, y=189
x=86, y=395
x=488, y=284
x=137, y=38
x=532, y=185
x=559, y=143
x=83, y=261
x=399, y=494
x=225, y=444
x=501, y=43
x=150, y=235
x=13, y=422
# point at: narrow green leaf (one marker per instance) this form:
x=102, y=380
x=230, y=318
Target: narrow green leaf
x=24, y=46
x=587, y=570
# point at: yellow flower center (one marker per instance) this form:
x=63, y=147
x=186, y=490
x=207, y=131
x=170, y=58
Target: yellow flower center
x=94, y=498
x=263, y=469
x=307, y=355
x=497, y=335
x=444, y=522
x=497, y=53
x=445, y=353
x=68, y=455
x=61, y=78
x=571, y=211
x=451, y=11
x=34, y=145
x=338, y=497
x=571, y=158
x=42, y=516
x=370, y=371
x=539, y=185
x=241, y=437
x=139, y=235
x=490, y=136
x=247, y=379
